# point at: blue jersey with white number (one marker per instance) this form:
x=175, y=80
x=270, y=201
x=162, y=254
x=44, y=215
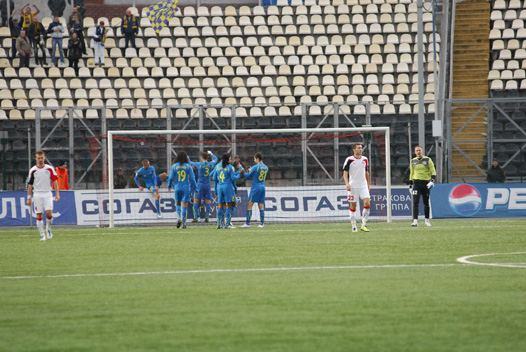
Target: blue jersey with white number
x=204, y=169
x=148, y=176
x=258, y=174
x=181, y=177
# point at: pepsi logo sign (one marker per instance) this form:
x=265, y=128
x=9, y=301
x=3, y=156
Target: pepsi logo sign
x=465, y=200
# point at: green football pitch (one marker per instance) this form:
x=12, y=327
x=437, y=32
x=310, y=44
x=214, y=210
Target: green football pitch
x=315, y=287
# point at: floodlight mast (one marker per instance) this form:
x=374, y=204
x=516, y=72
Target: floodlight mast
x=384, y=130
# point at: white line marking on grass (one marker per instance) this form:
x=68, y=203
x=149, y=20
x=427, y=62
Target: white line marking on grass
x=465, y=260
x=233, y=270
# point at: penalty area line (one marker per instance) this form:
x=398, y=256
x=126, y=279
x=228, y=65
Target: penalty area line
x=180, y=272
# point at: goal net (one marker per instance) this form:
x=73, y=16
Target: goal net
x=304, y=183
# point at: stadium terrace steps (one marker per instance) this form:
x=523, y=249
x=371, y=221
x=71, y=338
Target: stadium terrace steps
x=470, y=80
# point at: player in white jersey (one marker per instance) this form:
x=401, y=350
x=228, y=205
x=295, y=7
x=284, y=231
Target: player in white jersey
x=39, y=182
x=356, y=177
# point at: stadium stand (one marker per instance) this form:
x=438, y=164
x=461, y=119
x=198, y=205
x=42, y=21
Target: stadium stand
x=264, y=60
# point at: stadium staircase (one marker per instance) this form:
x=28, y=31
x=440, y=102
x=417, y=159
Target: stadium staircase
x=470, y=81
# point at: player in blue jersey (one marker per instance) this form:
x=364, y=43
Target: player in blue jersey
x=223, y=176
x=160, y=179
x=183, y=179
x=204, y=189
x=258, y=173
x=148, y=176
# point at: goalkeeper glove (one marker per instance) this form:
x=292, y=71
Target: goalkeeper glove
x=209, y=152
x=430, y=184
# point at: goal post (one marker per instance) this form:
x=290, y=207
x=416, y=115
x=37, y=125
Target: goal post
x=314, y=157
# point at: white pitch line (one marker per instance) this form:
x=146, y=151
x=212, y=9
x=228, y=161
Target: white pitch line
x=465, y=260
x=232, y=270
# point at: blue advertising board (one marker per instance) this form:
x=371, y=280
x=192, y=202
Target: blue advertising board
x=492, y=200
x=15, y=212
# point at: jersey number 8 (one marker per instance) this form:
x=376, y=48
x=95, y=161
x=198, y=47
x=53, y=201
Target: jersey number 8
x=262, y=175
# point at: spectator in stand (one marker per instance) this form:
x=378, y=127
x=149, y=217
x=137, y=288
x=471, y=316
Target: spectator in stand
x=74, y=52
x=4, y=11
x=129, y=29
x=14, y=27
x=57, y=7
x=27, y=15
x=131, y=180
x=62, y=173
x=119, y=182
x=37, y=34
x=23, y=46
x=99, y=37
x=495, y=173
x=76, y=25
x=56, y=31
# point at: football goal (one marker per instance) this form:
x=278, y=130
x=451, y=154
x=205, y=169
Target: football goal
x=304, y=183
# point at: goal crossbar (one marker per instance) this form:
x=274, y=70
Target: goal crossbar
x=384, y=130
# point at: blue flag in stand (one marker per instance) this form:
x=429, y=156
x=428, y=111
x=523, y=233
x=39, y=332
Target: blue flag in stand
x=160, y=14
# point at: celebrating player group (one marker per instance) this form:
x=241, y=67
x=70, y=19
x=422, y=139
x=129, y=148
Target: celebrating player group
x=186, y=189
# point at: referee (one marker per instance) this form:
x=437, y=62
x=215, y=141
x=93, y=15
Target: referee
x=421, y=180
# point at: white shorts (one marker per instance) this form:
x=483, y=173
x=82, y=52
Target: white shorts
x=357, y=193
x=42, y=201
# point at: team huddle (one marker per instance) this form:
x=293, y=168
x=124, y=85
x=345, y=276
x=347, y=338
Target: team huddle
x=189, y=194
x=183, y=180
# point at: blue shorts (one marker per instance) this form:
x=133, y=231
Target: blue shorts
x=257, y=195
x=182, y=195
x=150, y=187
x=225, y=194
x=204, y=191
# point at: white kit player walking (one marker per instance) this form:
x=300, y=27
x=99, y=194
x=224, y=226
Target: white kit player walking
x=356, y=177
x=41, y=177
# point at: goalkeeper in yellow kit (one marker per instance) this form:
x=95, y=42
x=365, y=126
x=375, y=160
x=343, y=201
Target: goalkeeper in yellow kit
x=421, y=180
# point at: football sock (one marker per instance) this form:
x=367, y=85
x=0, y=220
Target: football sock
x=178, y=210
x=40, y=226
x=49, y=222
x=185, y=213
x=353, y=216
x=234, y=209
x=365, y=215
x=158, y=206
x=228, y=216
x=249, y=215
x=207, y=215
x=262, y=216
x=220, y=213
x=196, y=211
x=219, y=216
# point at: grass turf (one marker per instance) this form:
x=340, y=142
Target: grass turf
x=179, y=300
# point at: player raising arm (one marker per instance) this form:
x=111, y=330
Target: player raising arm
x=356, y=177
x=258, y=173
x=147, y=174
x=204, y=189
x=181, y=178
x=41, y=177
